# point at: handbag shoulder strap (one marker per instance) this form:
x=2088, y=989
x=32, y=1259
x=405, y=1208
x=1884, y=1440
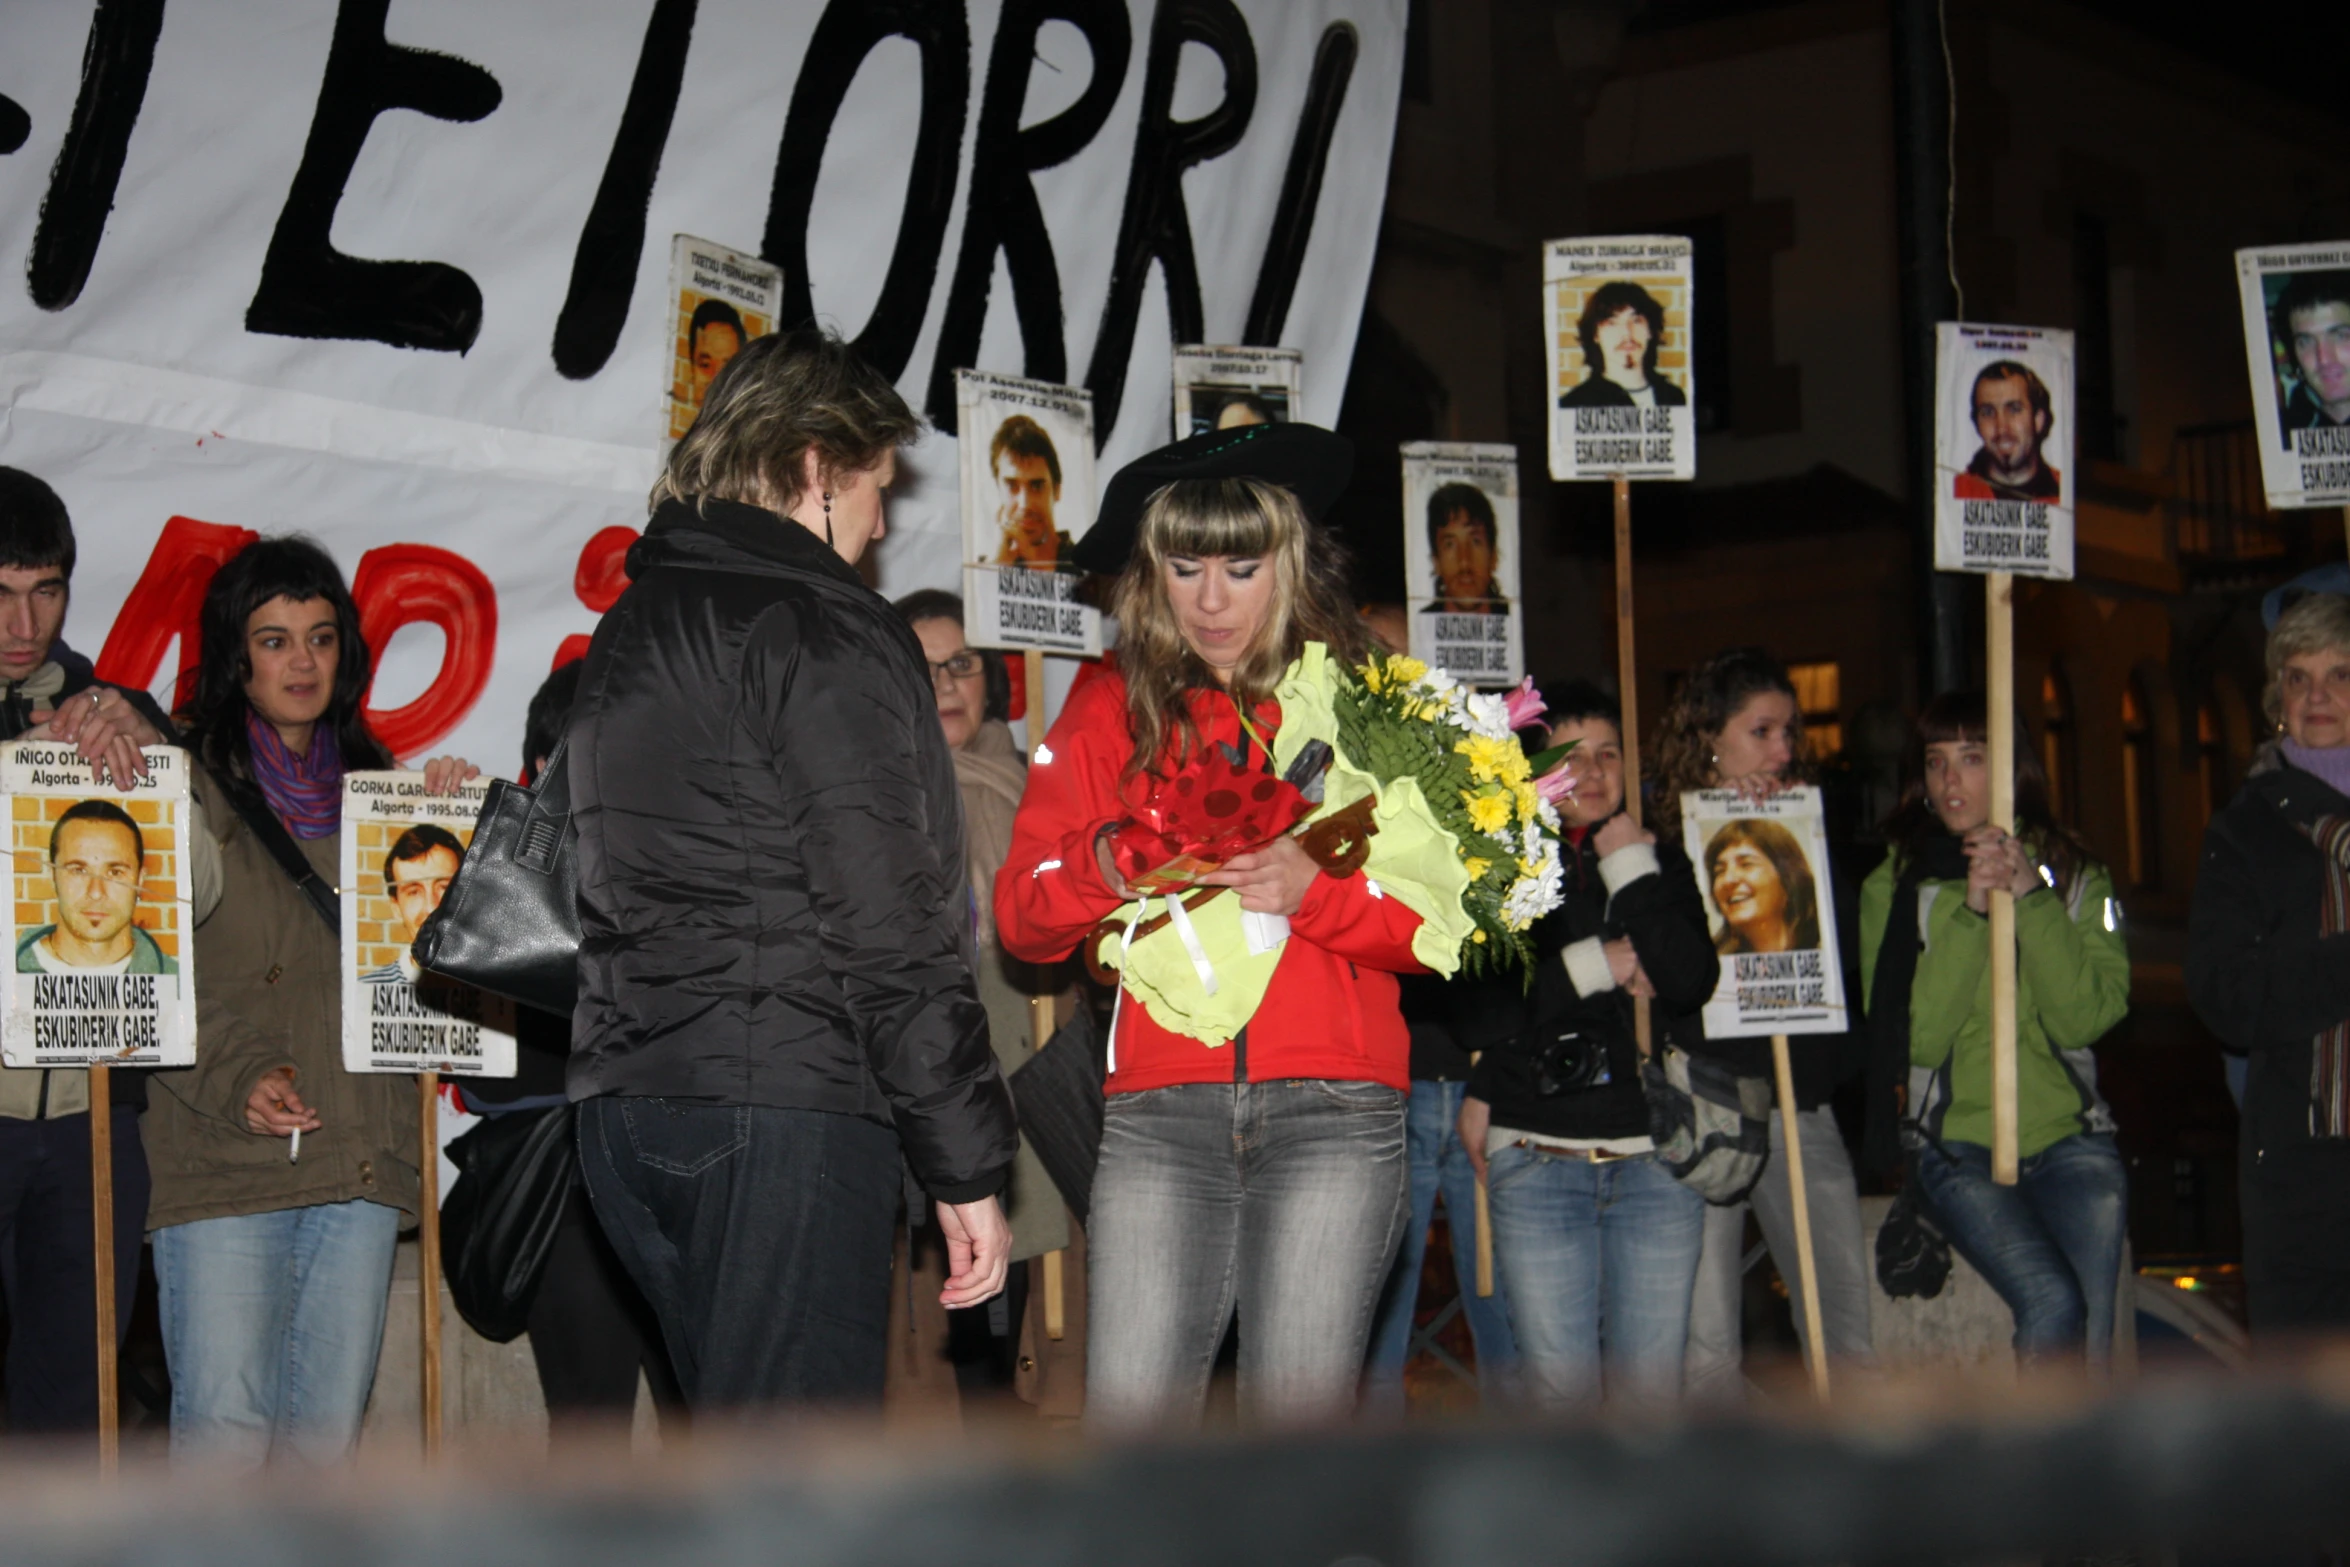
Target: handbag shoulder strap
x=543, y=829
x=254, y=811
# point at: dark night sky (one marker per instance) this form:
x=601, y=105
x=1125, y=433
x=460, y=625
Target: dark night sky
x=2297, y=48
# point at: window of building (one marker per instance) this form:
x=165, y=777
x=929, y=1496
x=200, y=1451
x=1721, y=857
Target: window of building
x=1819, y=696
x=2211, y=760
x=2056, y=745
x=2096, y=394
x=2139, y=817
x=1709, y=352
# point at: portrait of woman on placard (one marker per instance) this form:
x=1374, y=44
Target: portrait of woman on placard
x=1763, y=888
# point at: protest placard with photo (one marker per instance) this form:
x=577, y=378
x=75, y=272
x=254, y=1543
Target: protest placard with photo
x=2003, y=449
x=401, y=848
x=2296, y=302
x=1762, y=869
x=100, y=920
x=1618, y=315
x=1460, y=550
x=722, y=299
x=1028, y=496
x=1221, y=388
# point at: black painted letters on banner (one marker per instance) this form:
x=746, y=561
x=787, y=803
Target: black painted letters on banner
x=310, y=289
x=1001, y=213
x=115, y=63
x=603, y=269
x=849, y=31
x=1155, y=225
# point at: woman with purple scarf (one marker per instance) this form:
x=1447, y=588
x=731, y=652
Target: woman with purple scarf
x=2268, y=967
x=281, y=1180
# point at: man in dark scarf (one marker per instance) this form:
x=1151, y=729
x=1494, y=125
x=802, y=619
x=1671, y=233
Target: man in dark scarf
x=49, y=693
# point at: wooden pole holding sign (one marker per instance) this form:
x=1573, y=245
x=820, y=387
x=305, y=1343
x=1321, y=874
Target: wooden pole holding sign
x=102, y=1274
x=1040, y=1008
x=1999, y=720
x=428, y=1255
x=1815, y=1344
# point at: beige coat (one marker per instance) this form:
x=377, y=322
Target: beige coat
x=267, y=996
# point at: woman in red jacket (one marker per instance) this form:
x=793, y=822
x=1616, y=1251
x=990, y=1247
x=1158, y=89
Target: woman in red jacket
x=1265, y=1174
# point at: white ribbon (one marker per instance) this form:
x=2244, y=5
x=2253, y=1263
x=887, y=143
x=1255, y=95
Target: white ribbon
x=1118, y=1007
x=1264, y=932
x=1191, y=944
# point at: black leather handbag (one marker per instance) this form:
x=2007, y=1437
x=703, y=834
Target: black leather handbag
x=510, y=922
x=498, y=1225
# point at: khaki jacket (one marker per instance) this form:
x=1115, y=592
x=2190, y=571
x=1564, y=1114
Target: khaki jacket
x=267, y=996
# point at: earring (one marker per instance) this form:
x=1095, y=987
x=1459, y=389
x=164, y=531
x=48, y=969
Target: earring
x=828, y=519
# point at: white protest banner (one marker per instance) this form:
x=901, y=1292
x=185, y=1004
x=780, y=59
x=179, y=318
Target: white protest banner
x=1220, y=388
x=1028, y=495
x=2296, y=302
x=2003, y=449
x=272, y=267
x=1460, y=550
x=719, y=299
x=1762, y=868
x=400, y=849
x=1618, y=316
x=100, y=915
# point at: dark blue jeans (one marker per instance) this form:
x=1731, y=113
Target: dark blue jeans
x=1439, y=1167
x=2051, y=1244
x=760, y=1236
x=47, y=1264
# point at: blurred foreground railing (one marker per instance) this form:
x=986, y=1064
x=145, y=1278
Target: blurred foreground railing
x=2236, y=1468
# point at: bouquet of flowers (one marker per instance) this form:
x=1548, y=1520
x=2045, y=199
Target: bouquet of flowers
x=1446, y=758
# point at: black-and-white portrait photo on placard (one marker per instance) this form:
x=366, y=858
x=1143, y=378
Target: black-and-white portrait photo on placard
x=2296, y=301
x=1762, y=869
x=1619, y=348
x=1223, y=388
x=1460, y=523
x=1028, y=496
x=2003, y=449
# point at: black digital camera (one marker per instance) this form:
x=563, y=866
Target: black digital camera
x=1568, y=1061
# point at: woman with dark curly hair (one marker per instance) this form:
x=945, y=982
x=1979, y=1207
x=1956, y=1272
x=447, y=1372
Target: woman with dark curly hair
x=1735, y=724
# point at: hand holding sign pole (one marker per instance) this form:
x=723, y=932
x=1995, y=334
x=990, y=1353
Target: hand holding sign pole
x=2004, y=486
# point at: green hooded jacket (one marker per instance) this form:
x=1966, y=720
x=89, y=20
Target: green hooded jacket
x=2072, y=987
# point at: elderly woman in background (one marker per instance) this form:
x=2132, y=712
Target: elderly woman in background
x=2268, y=968
x=273, y=1257
x=973, y=689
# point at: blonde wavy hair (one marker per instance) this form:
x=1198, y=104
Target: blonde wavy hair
x=1245, y=519
x=783, y=396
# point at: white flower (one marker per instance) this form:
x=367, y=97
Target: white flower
x=1547, y=814
x=1488, y=714
x=1531, y=897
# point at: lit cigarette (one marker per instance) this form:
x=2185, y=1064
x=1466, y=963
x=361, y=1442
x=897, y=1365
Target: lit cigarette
x=294, y=1147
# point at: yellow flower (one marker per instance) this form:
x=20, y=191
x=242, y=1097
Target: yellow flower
x=1489, y=811
x=1528, y=802
x=1477, y=868
x=1371, y=676
x=1404, y=669
x=1478, y=937
x=1487, y=757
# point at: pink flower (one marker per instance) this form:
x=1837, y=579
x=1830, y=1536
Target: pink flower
x=1526, y=705
x=1557, y=784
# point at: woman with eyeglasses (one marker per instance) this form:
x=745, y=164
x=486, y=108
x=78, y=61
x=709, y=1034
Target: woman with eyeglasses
x=973, y=689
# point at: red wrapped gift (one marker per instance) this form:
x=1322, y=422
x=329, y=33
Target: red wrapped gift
x=1198, y=819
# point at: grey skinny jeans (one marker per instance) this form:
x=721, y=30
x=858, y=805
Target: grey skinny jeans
x=1715, y=1371
x=1285, y=1199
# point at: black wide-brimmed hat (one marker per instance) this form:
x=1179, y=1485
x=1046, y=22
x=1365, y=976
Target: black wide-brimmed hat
x=1312, y=462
